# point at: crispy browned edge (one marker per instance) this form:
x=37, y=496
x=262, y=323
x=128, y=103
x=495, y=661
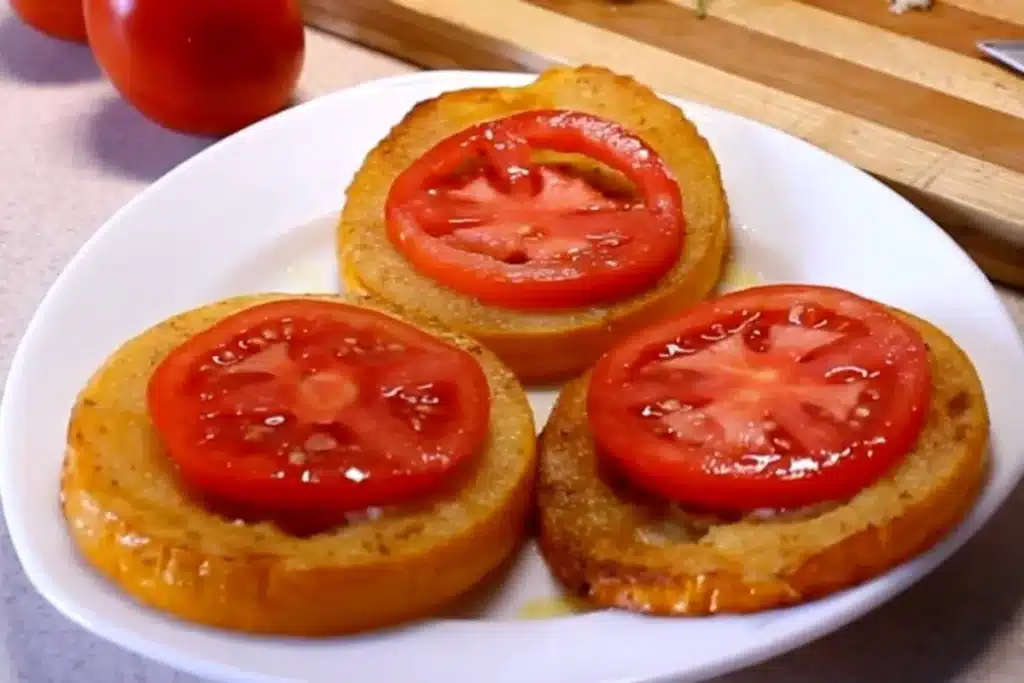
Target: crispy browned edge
x=538, y=346
x=262, y=591
x=613, y=571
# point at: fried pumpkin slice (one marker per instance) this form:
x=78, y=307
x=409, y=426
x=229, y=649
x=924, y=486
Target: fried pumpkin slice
x=620, y=547
x=132, y=520
x=547, y=345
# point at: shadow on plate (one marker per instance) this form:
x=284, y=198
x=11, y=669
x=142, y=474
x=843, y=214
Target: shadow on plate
x=490, y=600
x=31, y=57
x=933, y=631
x=125, y=142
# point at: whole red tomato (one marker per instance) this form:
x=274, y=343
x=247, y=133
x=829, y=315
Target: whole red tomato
x=58, y=18
x=200, y=66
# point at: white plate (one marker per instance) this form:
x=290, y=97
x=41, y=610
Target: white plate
x=231, y=221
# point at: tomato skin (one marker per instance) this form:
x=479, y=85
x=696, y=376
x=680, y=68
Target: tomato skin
x=645, y=240
x=208, y=67
x=61, y=19
x=883, y=355
x=235, y=405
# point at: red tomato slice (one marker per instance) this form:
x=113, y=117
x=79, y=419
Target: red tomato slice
x=476, y=214
x=772, y=397
x=307, y=405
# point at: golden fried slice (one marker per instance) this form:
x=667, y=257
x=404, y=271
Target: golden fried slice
x=621, y=548
x=131, y=520
x=538, y=346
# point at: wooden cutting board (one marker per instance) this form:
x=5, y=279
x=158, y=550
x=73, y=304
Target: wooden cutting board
x=906, y=97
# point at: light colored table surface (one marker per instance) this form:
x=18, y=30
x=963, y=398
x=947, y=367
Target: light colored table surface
x=71, y=153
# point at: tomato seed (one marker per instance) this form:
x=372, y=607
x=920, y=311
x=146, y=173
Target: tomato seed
x=320, y=442
x=256, y=432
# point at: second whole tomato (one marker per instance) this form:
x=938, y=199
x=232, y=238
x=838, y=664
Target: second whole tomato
x=207, y=67
x=57, y=18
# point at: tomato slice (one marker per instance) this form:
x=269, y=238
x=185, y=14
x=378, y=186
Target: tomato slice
x=477, y=214
x=775, y=397
x=310, y=405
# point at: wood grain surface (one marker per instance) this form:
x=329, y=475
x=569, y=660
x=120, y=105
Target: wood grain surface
x=905, y=97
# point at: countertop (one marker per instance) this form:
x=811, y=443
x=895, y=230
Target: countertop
x=71, y=153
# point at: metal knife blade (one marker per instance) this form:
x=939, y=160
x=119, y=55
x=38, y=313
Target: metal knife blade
x=1008, y=52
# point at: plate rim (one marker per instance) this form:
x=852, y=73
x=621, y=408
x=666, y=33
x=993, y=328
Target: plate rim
x=762, y=648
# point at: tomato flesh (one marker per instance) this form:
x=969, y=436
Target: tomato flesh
x=477, y=214
x=772, y=397
x=316, y=406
